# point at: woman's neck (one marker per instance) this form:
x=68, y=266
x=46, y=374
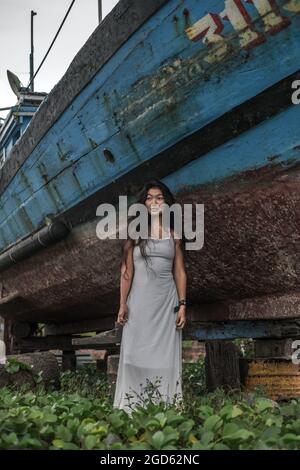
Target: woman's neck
x=158, y=231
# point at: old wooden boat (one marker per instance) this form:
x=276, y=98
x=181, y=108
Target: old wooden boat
x=197, y=94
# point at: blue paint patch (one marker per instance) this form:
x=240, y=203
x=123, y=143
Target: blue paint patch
x=233, y=330
x=277, y=137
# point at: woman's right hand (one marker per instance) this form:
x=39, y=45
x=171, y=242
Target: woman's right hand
x=123, y=314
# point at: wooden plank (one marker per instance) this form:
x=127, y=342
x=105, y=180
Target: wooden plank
x=102, y=340
x=68, y=360
x=204, y=331
x=7, y=337
x=273, y=348
x=84, y=326
x=45, y=343
x=21, y=329
x=65, y=343
x=262, y=307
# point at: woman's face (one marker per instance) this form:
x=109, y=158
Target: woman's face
x=154, y=200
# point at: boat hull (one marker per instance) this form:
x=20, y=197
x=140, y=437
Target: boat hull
x=216, y=124
x=256, y=219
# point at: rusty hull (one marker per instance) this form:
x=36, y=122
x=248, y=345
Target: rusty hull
x=247, y=269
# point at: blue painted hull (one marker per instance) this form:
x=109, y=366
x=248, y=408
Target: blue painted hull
x=158, y=88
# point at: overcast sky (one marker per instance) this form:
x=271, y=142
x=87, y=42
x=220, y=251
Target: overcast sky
x=15, y=39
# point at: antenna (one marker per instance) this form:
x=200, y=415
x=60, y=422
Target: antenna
x=14, y=82
x=31, y=56
x=99, y=11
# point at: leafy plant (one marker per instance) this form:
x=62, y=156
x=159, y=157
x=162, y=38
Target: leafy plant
x=81, y=416
x=13, y=365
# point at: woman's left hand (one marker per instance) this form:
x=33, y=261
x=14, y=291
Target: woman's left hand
x=181, y=317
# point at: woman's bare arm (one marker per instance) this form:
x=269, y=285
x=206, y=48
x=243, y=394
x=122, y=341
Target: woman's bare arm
x=179, y=271
x=180, y=281
x=126, y=279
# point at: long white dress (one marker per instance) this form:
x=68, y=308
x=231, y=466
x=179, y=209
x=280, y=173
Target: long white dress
x=151, y=345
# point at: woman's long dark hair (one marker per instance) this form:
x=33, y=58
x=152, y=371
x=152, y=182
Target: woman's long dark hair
x=141, y=242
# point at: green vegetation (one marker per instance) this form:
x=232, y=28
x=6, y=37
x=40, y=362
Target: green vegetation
x=13, y=366
x=80, y=416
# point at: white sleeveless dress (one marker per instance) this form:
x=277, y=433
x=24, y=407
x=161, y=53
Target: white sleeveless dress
x=151, y=345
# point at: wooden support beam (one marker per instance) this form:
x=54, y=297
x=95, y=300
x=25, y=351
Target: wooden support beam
x=112, y=372
x=222, y=366
x=68, y=360
x=101, y=360
x=67, y=343
x=279, y=378
x=7, y=336
x=44, y=343
x=273, y=348
x=84, y=326
x=21, y=329
x=263, y=307
x=205, y=331
x=102, y=340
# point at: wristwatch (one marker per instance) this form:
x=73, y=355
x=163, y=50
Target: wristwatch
x=181, y=302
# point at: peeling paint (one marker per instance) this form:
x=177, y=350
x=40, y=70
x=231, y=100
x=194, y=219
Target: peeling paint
x=136, y=154
x=94, y=144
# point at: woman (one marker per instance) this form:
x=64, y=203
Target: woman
x=153, y=281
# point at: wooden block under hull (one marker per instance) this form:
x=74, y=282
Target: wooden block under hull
x=280, y=379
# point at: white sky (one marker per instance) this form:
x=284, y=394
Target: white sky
x=15, y=39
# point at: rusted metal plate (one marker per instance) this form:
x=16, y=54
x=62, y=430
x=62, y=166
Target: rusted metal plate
x=279, y=378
